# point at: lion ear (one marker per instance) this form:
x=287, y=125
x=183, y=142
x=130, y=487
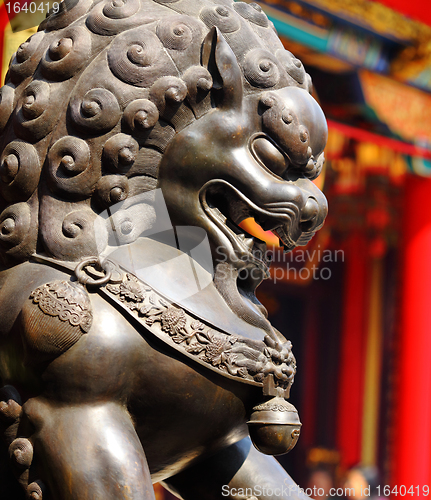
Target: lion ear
x=221, y=62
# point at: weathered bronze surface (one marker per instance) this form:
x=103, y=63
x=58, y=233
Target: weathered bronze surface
x=117, y=370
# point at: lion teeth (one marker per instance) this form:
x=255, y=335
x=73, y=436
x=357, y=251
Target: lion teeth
x=248, y=242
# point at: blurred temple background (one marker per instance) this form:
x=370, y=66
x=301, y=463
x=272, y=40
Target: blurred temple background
x=355, y=301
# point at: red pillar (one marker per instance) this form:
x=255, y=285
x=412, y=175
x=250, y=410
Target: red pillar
x=3, y=22
x=353, y=344
x=411, y=462
x=310, y=376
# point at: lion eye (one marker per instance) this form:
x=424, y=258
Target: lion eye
x=273, y=159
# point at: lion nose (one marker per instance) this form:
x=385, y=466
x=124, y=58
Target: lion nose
x=310, y=210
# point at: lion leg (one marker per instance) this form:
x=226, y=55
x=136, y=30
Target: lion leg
x=88, y=451
x=238, y=472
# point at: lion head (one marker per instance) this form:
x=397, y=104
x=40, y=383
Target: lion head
x=198, y=98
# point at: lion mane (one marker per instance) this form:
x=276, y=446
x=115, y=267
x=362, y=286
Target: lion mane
x=93, y=99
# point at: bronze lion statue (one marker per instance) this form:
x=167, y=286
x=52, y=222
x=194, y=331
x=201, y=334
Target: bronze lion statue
x=137, y=135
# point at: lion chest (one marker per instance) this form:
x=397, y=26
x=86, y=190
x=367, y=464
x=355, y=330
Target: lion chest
x=89, y=351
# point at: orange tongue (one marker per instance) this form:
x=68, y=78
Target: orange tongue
x=253, y=228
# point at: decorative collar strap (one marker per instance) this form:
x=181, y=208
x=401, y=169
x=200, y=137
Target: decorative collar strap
x=264, y=363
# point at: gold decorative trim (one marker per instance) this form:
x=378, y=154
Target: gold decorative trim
x=368, y=14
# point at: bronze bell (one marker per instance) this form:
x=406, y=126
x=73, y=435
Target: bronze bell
x=274, y=426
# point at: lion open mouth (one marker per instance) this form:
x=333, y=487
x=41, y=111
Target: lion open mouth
x=227, y=207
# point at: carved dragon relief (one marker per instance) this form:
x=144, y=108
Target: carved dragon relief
x=127, y=373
